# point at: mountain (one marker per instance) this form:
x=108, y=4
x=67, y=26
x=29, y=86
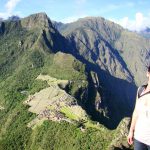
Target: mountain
x=1, y=19
x=119, y=41
x=118, y=56
x=108, y=49
x=14, y=18
x=145, y=33
x=69, y=85
x=58, y=25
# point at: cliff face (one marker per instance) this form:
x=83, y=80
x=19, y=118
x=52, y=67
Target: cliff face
x=36, y=21
x=109, y=46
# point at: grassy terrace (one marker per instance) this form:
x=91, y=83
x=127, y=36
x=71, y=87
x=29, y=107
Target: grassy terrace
x=70, y=114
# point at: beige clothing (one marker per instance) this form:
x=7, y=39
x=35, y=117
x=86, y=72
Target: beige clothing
x=142, y=127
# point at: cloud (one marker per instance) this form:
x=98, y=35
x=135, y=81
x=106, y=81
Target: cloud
x=79, y=12
x=139, y=23
x=130, y=4
x=9, y=8
x=113, y=7
x=107, y=9
x=80, y=2
x=3, y=15
x=141, y=2
x=139, y=20
x=11, y=4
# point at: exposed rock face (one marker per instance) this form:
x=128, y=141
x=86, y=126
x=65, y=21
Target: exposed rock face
x=136, y=53
x=58, y=25
x=93, y=39
x=110, y=46
x=120, y=142
x=39, y=21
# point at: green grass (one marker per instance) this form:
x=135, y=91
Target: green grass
x=96, y=125
x=52, y=135
x=69, y=113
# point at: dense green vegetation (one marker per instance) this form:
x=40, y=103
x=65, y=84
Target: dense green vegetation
x=63, y=135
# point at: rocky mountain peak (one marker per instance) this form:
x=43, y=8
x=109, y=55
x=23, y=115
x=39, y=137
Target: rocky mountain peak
x=96, y=23
x=39, y=20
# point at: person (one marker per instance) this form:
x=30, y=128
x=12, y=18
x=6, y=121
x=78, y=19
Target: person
x=139, y=132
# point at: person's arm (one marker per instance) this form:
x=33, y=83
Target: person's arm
x=132, y=127
x=133, y=123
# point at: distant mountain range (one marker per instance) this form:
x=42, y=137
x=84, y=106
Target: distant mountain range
x=102, y=63
x=146, y=32
x=11, y=18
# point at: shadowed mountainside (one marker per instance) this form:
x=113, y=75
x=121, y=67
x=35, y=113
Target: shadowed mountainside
x=93, y=42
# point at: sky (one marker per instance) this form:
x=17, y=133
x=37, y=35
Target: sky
x=131, y=14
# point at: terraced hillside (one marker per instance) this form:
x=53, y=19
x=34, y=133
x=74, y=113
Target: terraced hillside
x=53, y=103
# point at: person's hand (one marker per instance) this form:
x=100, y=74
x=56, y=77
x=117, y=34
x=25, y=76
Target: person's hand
x=130, y=138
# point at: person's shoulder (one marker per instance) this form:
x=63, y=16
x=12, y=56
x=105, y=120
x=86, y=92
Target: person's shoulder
x=140, y=89
x=142, y=86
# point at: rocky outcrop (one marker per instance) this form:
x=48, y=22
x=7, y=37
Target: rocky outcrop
x=120, y=141
x=39, y=21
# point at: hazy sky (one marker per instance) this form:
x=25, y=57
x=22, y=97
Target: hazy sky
x=131, y=14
